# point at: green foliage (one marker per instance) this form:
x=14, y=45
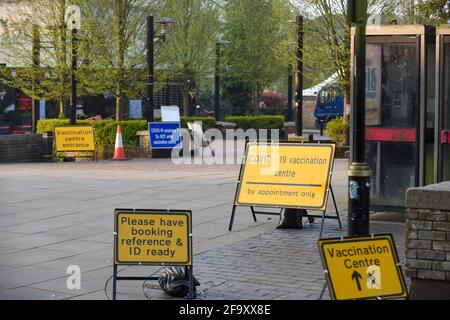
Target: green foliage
x=237, y=97
x=257, y=122
x=188, y=50
x=42, y=73
x=207, y=123
x=254, y=33
x=105, y=130
x=336, y=129
x=434, y=12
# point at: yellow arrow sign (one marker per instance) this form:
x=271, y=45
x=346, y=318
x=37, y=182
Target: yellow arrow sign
x=363, y=268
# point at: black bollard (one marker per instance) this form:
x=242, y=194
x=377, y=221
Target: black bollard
x=292, y=219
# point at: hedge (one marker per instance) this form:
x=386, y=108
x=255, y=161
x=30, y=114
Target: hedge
x=105, y=130
x=207, y=123
x=257, y=122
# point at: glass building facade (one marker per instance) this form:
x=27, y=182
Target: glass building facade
x=400, y=111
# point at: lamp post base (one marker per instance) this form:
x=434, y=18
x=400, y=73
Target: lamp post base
x=359, y=199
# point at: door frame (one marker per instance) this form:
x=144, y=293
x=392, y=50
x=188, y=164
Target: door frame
x=442, y=39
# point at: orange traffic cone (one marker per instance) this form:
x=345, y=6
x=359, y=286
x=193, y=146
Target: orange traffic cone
x=119, y=153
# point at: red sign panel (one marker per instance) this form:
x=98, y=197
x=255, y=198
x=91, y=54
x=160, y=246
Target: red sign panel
x=445, y=138
x=391, y=135
x=24, y=102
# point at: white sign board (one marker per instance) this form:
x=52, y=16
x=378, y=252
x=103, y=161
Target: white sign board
x=73, y=17
x=170, y=114
x=135, y=109
x=197, y=133
x=42, y=104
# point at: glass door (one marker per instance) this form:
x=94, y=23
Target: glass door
x=392, y=117
x=445, y=134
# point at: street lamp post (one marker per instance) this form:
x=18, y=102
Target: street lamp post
x=150, y=106
x=150, y=68
x=290, y=92
x=73, y=21
x=359, y=172
x=292, y=218
x=73, y=80
x=36, y=63
x=299, y=87
x=217, y=111
x=217, y=108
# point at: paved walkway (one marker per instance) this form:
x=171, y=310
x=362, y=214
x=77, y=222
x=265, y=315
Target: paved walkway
x=53, y=215
x=277, y=265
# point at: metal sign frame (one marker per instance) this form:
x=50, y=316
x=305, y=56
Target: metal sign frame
x=441, y=133
x=329, y=280
x=323, y=209
x=189, y=266
x=94, y=152
x=155, y=212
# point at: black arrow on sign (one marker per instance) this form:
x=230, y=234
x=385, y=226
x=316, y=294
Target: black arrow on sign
x=357, y=277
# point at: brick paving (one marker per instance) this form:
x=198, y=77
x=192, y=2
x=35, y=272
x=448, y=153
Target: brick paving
x=277, y=265
x=53, y=215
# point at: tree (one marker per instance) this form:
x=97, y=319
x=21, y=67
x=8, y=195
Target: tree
x=331, y=29
x=35, y=47
x=330, y=35
x=187, y=57
x=254, y=33
x=115, y=39
x=238, y=98
x=432, y=12
x=435, y=11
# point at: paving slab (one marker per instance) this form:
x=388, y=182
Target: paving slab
x=54, y=215
x=32, y=294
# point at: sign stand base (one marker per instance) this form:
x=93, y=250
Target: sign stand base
x=126, y=226
x=189, y=270
x=310, y=217
x=92, y=156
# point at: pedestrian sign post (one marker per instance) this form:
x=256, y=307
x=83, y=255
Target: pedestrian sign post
x=152, y=238
x=363, y=268
x=286, y=176
x=75, y=139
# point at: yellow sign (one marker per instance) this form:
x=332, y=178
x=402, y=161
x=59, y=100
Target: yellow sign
x=363, y=268
x=153, y=237
x=286, y=175
x=75, y=138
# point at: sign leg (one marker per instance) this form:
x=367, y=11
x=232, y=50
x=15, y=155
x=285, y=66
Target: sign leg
x=254, y=214
x=114, y=279
x=323, y=291
x=233, y=213
x=335, y=207
x=323, y=223
x=191, y=282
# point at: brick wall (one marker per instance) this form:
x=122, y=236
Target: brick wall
x=428, y=235
x=24, y=148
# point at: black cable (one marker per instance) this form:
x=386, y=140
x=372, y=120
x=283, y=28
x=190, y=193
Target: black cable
x=143, y=284
x=107, y=281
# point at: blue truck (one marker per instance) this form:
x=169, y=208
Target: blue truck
x=329, y=105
